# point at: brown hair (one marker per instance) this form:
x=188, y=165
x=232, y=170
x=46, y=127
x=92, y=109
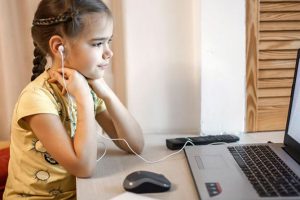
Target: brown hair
x=59, y=17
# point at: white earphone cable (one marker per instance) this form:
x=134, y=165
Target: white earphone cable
x=144, y=159
x=105, y=148
x=65, y=87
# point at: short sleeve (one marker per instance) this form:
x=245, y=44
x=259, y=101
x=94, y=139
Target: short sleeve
x=35, y=101
x=100, y=106
x=99, y=103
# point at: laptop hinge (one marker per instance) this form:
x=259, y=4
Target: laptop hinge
x=292, y=153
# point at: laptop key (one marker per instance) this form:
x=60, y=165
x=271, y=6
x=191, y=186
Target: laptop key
x=273, y=194
x=240, y=161
x=297, y=187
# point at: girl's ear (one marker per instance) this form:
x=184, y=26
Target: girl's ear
x=54, y=42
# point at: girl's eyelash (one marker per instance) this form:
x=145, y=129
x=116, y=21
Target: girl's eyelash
x=97, y=44
x=101, y=43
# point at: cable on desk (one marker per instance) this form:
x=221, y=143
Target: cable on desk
x=144, y=159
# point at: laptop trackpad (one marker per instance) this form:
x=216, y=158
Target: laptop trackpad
x=211, y=162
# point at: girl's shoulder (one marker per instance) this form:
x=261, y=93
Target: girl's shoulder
x=38, y=88
x=39, y=83
x=38, y=93
x=36, y=98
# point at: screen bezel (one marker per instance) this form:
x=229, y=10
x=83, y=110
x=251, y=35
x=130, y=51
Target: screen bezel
x=288, y=140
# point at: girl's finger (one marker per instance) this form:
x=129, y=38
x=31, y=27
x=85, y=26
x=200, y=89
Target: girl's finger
x=51, y=79
x=67, y=71
x=63, y=91
x=58, y=77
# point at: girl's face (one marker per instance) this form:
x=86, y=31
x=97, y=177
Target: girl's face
x=89, y=53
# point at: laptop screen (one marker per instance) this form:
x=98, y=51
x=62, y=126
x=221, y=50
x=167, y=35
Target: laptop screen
x=294, y=123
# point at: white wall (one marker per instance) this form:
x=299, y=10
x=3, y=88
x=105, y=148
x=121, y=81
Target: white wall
x=223, y=65
x=161, y=65
x=176, y=51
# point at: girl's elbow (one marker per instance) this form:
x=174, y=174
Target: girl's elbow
x=84, y=175
x=137, y=150
x=134, y=148
x=140, y=147
x=84, y=171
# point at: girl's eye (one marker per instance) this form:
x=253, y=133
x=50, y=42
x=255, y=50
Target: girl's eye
x=97, y=44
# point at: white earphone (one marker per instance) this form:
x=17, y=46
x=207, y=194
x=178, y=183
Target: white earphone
x=61, y=50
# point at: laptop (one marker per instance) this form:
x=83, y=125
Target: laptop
x=252, y=171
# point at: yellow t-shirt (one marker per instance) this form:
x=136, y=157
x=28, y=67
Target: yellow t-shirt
x=32, y=172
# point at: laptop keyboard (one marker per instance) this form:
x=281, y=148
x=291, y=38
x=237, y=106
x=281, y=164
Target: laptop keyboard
x=268, y=174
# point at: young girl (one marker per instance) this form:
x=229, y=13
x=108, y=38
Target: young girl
x=55, y=121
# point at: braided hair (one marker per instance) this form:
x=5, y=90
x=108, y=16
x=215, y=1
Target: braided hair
x=39, y=62
x=59, y=17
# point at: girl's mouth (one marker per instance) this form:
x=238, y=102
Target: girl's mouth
x=105, y=66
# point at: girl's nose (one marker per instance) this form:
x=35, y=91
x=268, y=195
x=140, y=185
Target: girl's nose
x=107, y=54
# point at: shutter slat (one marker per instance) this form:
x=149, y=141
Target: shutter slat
x=276, y=64
x=278, y=55
x=276, y=73
x=279, y=26
x=279, y=6
x=274, y=92
x=275, y=83
x=279, y=45
x=293, y=1
x=275, y=16
x=279, y=35
x=275, y=101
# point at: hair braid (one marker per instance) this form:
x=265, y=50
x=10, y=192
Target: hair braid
x=39, y=62
x=64, y=17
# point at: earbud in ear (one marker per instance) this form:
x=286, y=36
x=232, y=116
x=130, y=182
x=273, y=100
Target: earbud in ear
x=61, y=50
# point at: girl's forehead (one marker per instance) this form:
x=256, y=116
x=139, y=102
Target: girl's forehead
x=97, y=25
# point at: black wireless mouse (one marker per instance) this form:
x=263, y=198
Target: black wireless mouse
x=146, y=182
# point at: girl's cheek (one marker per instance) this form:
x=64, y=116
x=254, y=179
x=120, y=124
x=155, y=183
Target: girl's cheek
x=95, y=56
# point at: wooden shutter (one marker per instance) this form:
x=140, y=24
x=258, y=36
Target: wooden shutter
x=273, y=37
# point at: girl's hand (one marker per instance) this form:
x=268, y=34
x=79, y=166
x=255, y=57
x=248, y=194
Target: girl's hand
x=72, y=81
x=100, y=87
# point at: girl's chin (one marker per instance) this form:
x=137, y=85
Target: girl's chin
x=96, y=75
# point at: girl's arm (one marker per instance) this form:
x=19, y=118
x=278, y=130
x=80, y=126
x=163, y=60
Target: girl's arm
x=77, y=156
x=116, y=121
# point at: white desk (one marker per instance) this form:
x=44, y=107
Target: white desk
x=107, y=182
